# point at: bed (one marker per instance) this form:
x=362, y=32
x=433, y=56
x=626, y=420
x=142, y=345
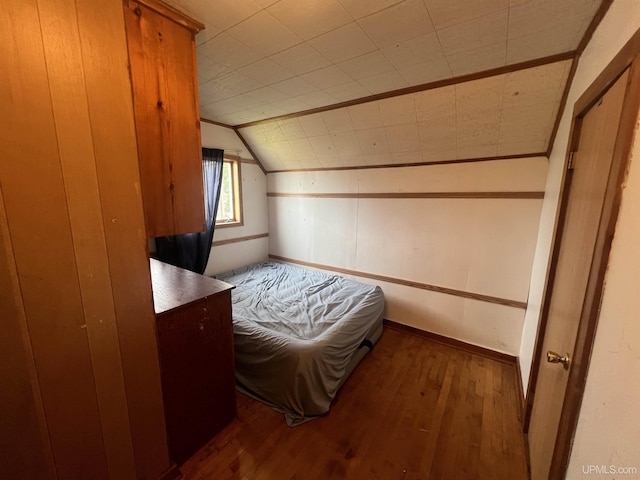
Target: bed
x=299, y=334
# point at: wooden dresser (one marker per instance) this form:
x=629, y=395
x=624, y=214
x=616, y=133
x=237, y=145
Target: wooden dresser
x=195, y=345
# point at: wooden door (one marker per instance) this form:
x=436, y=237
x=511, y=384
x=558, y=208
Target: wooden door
x=579, y=231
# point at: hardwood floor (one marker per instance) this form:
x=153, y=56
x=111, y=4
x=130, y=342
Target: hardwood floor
x=413, y=409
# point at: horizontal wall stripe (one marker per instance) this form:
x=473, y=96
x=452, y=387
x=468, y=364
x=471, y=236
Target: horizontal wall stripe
x=408, y=283
x=415, y=164
x=452, y=342
x=239, y=239
x=405, y=195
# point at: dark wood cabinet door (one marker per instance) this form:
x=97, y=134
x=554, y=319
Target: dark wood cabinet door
x=219, y=306
x=166, y=109
x=196, y=360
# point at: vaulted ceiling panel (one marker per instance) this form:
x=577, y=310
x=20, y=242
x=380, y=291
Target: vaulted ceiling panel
x=340, y=50
x=310, y=18
x=506, y=114
x=262, y=61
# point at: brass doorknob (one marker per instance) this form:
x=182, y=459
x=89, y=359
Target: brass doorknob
x=553, y=357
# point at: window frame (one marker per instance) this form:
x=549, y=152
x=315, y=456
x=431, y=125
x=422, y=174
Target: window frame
x=236, y=179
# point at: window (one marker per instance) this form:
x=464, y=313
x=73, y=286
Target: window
x=230, y=204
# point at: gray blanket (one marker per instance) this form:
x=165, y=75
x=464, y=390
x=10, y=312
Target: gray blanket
x=295, y=331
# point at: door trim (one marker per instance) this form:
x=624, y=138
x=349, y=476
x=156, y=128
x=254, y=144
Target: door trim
x=628, y=57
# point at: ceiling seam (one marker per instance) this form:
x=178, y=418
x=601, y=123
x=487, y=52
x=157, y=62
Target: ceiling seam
x=303, y=41
x=251, y=152
x=225, y=30
x=563, y=104
x=415, y=164
x=420, y=88
x=435, y=31
x=213, y=122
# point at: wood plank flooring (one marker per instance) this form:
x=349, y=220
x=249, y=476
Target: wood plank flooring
x=413, y=409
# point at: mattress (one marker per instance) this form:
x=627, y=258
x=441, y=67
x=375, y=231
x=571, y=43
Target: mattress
x=298, y=334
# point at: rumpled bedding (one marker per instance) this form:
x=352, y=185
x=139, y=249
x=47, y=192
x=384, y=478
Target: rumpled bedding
x=295, y=331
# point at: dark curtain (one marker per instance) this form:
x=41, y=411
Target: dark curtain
x=191, y=250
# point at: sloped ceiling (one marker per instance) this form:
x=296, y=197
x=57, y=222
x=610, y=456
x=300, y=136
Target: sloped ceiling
x=508, y=114
x=263, y=59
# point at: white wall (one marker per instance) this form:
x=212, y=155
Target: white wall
x=609, y=429
x=482, y=246
x=254, y=206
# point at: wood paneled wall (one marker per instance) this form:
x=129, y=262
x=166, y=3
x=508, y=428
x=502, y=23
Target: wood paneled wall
x=451, y=245
x=77, y=313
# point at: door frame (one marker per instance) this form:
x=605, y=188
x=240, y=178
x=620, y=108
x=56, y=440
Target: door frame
x=627, y=58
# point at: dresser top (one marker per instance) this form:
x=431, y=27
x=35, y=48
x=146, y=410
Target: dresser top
x=174, y=287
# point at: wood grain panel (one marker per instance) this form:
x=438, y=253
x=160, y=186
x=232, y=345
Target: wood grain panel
x=70, y=180
x=104, y=54
x=66, y=80
x=37, y=212
x=404, y=195
x=173, y=14
x=24, y=436
x=407, y=283
x=166, y=107
x=569, y=290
